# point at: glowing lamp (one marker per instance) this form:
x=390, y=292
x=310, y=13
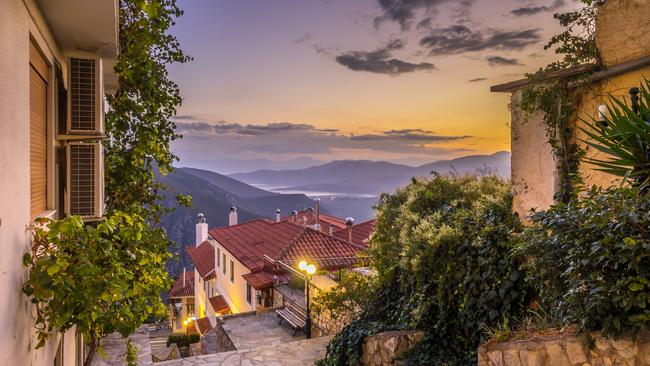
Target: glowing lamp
x=310, y=269
x=302, y=265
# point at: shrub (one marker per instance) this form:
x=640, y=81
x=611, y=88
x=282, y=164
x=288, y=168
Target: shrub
x=442, y=251
x=590, y=260
x=183, y=340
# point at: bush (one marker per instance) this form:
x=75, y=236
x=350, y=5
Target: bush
x=590, y=260
x=183, y=340
x=442, y=249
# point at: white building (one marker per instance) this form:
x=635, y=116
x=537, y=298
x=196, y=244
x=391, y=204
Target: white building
x=53, y=56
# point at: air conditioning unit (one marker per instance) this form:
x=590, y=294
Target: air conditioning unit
x=85, y=98
x=84, y=179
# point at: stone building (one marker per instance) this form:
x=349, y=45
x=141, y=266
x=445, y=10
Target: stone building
x=624, y=49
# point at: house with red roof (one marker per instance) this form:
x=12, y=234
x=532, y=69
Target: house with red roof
x=238, y=267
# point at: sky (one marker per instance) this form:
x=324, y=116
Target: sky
x=287, y=83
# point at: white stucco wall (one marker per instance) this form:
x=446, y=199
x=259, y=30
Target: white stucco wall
x=234, y=293
x=17, y=333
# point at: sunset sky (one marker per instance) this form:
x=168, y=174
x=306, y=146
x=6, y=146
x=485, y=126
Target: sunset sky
x=406, y=81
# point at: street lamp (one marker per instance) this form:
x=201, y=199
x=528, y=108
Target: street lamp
x=309, y=270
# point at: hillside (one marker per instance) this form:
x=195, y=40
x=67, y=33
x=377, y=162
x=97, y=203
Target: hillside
x=213, y=195
x=369, y=177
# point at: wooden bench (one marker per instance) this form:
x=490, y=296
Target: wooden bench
x=295, y=319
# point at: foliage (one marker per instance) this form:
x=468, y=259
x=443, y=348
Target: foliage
x=442, y=252
x=624, y=136
x=183, y=340
x=138, y=122
x=577, y=43
x=102, y=278
x=590, y=259
x=131, y=354
x=352, y=293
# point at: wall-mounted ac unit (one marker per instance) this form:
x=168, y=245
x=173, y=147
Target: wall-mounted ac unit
x=85, y=98
x=84, y=179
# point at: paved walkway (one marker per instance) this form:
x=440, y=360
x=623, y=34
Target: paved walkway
x=251, y=331
x=115, y=348
x=297, y=353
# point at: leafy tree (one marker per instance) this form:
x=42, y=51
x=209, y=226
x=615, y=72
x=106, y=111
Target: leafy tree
x=624, y=136
x=442, y=250
x=577, y=43
x=108, y=277
x=100, y=279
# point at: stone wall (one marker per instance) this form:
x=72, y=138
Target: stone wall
x=383, y=348
x=323, y=323
x=224, y=343
x=567, y=350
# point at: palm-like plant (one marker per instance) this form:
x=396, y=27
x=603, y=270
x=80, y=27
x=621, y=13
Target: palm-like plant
x=624, y=135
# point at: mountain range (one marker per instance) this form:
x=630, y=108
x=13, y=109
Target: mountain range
x=364, y=177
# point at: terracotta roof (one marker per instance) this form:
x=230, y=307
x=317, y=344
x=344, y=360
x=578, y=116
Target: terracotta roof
x=308, y=218
x=328, y=252
x=219, y=304
x=203, y=259
x=178, y=290
x=203, y=324
x=250, y=242
x=361, y=233
x=263, y=279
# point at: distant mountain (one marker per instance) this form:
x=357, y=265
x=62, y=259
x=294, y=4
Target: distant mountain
x=229, y=165
x=369, y=177
x=213, y=194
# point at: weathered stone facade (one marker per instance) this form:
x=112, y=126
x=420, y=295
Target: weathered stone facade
x=567, y=350
x=383, y=348
x=224, y=343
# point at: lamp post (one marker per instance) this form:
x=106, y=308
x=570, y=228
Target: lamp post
x=309, y=270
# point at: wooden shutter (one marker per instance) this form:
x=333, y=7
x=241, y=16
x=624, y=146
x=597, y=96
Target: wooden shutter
x=37, y=132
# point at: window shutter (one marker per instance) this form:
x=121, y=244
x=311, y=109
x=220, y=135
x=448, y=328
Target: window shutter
x=85, y=102
x=37, y=132
x=84, y=179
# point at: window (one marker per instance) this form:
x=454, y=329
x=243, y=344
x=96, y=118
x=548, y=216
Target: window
x=218, y=257
x=38, y=76
x=232, y=271
x=190, y=310
x=223, y=256
x=249, y=293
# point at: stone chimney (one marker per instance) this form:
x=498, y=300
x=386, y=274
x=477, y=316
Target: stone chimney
x=232, y=218
x=317, y=226
x=183, y=276
x=201, y=229
x=278, y=216
x=331, y=230
x=349, y=222
x=294, y=216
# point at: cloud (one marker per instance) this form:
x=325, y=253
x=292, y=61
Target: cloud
x=532, y=9
x=459, y=38
x=476, y=80
x=404, y=12
x=228, y=139
x=380, y=61
x=303, y=38
x=502, y=61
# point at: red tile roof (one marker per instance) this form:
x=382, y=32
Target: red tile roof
x=308, y=218
x=263, y=279
x=178, y=290
x=219, y=304
x=203, y=324
x=361, y=233
x=203, y=259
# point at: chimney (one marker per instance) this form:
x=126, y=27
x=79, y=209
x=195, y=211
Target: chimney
x=201, y=229
x=183, y=276
x=317, y=214
x=331, y=230
x=277, y=215
x=232, y=218
x=294, y=216
x=349, y=222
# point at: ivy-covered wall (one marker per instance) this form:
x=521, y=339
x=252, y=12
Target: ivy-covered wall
x=535, y=175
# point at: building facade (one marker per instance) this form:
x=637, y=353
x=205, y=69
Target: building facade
x=625, y=55
x=56, y=62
